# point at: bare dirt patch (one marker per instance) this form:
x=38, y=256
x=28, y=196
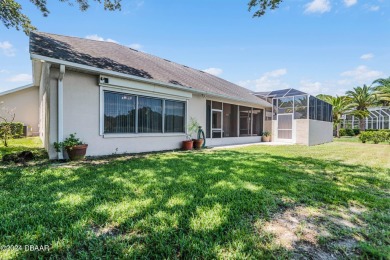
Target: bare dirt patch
x=300, y=229
x=109, y=231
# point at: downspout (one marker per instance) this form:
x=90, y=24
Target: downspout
x=60, y=109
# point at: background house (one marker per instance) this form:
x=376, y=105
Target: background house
x=25, y=104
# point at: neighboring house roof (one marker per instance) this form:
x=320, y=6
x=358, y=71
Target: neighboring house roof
x=118, y=58
x=16, y=89
x=280, y=93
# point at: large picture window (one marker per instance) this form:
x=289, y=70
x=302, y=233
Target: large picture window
x=119, y=113
x=126, y=113
x=174, y=116
x=149, y=115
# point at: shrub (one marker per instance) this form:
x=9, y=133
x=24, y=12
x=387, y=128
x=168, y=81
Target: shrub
x=356, y=131
x=377, y=130
x=343, y=132
x=16, y=129
x=347, y=132
x=364, y=137
x=375, y=136
x=350, y=132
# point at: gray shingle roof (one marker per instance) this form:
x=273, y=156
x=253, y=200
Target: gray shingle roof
x=118, y=58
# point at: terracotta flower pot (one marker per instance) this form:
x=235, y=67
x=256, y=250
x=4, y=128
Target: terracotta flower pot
x=187, y=145
x=77, y=152
x=198, y=143
x=266, y=138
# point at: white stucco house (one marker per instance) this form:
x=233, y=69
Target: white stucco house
x=120, y=100
x=24, y=101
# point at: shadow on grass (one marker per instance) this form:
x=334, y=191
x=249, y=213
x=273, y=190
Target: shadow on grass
x=173, y=205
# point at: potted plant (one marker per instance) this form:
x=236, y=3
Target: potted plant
x=75, y=148
x=192, y=129
x=266, y=136
x=199, y=142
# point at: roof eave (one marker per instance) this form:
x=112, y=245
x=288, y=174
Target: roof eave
x=33, y=56
x=16, y=89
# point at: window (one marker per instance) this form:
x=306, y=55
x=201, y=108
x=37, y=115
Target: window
x=119, y=113
x=149, y=115
x=174, y=116
x=122, y=116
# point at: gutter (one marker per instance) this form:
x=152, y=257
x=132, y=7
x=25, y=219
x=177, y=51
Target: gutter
x=60, y=109
x=140, y=79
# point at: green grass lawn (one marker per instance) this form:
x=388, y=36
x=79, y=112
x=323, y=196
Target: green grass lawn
x=32, y=144
x=251, y=202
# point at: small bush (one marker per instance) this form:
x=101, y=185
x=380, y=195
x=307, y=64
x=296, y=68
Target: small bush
x=377, y=130
x=350, y=132
x=356, y=131
x=347, y=132
x=364, y=137
x=16, y=129
x=375, y=136
x=343, y=132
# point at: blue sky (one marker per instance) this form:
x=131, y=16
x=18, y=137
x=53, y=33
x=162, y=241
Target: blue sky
x=318, y=46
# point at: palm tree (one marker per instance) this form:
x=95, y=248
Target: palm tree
x=382, y=90
x=362, y=98
x=341, y=105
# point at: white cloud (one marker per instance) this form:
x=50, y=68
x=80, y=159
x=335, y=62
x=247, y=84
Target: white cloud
x=7, y=48
x=367, y=56
x=4, y=71
x=313, y=87
x=20, y=78
x=318, y=6
x=136, y=46
x=98, y=38
x=374, y=8
x=349, y=3
x=214, y=71
x=268, y=81
x=360, y=75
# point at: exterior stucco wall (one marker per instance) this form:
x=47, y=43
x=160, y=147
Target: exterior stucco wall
x=320, y=132
x=268, y=126
x=82, y=116
x=26, y=105
x=302, y=131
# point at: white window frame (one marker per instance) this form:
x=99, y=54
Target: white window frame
x=163, y=97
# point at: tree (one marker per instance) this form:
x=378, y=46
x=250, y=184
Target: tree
x=263, y=5
x=7, y=116
x=362, y=98
x=12, y=17
x=382, y=90
x=341, y=105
